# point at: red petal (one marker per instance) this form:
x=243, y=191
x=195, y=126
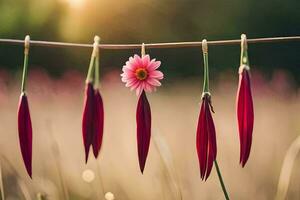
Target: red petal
x=206, y=139
x=25, y=132
x=143, y=121
x=202, y=139
x=98, y=123
x=87, y=119
x=212, y=147
x=245, y=115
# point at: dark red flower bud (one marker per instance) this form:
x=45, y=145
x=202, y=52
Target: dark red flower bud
x=98, y=122
x=206, y=138
x=245, y=113
x=88, y=128
x=143, y=121
x=25, y=132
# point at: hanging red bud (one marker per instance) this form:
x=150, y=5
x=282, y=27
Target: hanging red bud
x=206, y=137
x=143, y=120
x=25, y=132
x=98, y=123
x=245, y=113
x=88, y=128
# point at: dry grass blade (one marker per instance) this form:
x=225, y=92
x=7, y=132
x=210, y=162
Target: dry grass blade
x=100, y=177
x=41, y=196
x=167, y=160
x=287, y=168
x=55, y=150
x=1, y=182
x=24, y=189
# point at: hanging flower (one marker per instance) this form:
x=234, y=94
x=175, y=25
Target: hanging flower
x=93, y=114
x=245, y=113
x=206, y=137
x=206, y=134
x=24, y=120
x=25, y=132
x=141, y=74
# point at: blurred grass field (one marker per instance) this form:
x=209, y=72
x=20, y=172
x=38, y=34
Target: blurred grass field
x=58, y=153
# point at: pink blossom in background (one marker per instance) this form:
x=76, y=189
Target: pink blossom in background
x=141, y=74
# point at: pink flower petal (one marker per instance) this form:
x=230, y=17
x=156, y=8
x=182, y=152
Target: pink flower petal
x=153, y=82
x=140, y=89
x=127, y=69
x=156, y=74
x=135, y=85
x=148, y=87
x=127, y=77
x=131, y=82
x=153, y=65
x=131, y=60
x=146, y=60
x=138, y=61
x=147, y=83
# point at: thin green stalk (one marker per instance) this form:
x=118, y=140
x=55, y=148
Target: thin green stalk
x=93, y=75
x=168, y=163
x=143, y=51
x=2, y=196
x=58, y=164
x=97, y=72
x=206, y=89
x=89, y=77
x=287, y=169
x=25, y=67
x=100, y=177
x=221, y=180
x=244, y=51
x=206, y=73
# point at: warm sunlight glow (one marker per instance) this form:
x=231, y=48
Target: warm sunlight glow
x=76, y=3
x=88, y=175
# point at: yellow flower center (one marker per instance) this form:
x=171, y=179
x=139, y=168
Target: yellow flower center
x=141, y=73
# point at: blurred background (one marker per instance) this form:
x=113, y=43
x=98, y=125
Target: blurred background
x=56, y=85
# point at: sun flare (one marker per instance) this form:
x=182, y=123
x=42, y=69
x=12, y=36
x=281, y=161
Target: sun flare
x=76, y=3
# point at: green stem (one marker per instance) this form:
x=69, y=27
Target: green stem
x=143, y=51
x=221, y=180
x=206, y=73
x=25, y=67
x=2, y=196
x=244, y=54
x=244, y=57
x=97, y=71
x=89, y=77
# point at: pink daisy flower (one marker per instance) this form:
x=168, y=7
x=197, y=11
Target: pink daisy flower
x=141, y=74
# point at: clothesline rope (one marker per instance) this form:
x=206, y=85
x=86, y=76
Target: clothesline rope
x=150, y=45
